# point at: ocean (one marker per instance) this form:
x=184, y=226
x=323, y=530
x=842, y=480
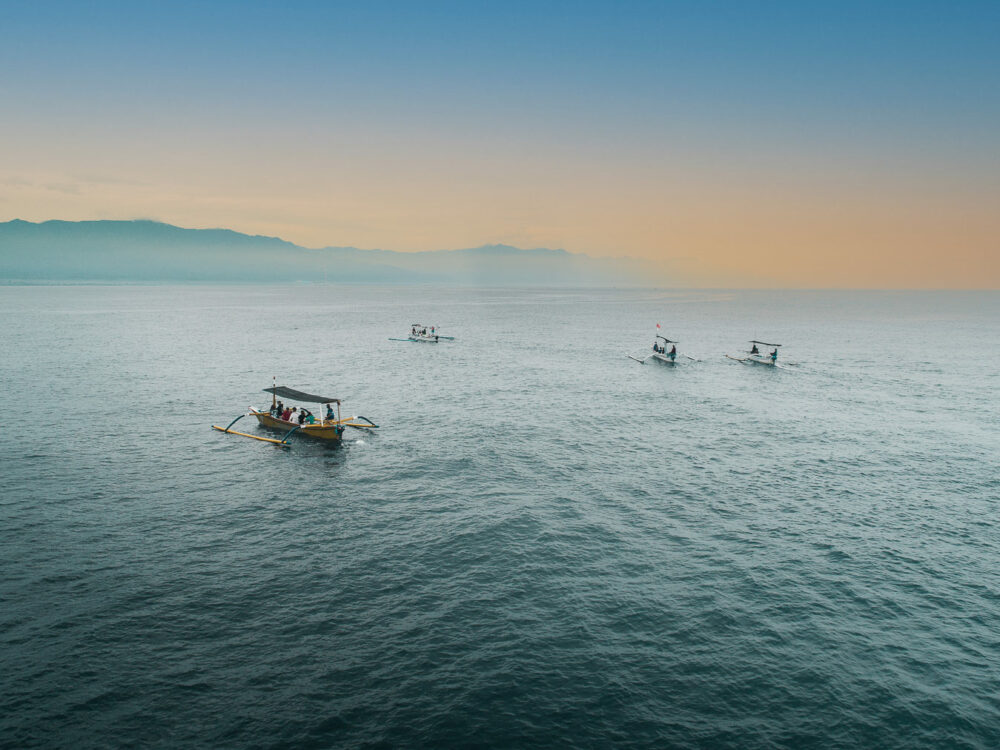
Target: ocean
x=544, y=544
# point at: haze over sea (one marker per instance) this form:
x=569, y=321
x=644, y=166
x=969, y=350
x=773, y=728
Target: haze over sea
x=544, y=544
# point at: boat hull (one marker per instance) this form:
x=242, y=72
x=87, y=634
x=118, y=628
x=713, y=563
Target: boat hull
x=664, y=358
x=761, y=360
x=328, y=432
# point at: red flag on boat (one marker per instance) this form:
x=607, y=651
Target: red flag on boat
x=657, y=325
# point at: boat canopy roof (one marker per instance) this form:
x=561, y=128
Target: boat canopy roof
x=666, y=339
x=295, y=395
x=764, y=343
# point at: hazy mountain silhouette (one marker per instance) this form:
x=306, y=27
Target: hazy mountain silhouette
x=152, y=251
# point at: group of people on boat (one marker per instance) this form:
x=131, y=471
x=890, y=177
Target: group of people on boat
x=414, y=331
x=774, y=354
x=292, y=414
x=295, y=415
x=662, y=349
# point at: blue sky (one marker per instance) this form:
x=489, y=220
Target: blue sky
x=414, y=100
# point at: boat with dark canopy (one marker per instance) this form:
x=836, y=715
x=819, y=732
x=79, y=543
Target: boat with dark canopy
x=662, y=354
x=327, y=426
x=660, y=351
x=755, y=356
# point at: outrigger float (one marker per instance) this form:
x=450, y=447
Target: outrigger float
x=754, y=356
x=426, y=334
x=325, y=428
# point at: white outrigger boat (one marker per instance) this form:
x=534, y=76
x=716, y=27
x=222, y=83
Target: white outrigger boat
x=426, y=334
x=660, y=352
x=754, y=356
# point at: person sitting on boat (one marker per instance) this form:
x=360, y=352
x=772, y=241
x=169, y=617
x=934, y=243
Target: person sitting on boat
x=277, y=410
x=329, y=412
x=285, y=414
x=755, y=350
x=310, y=419
x=302, y=417
x=774, y=355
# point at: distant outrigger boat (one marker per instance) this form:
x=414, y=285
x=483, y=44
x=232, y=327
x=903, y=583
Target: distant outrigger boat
x=429, y=335
x=660, y=352
x=754, y=356
x=328, y=429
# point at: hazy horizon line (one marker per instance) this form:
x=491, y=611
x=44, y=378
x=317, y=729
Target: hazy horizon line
x=9, y=282
x=162, y=222
x=662, y=270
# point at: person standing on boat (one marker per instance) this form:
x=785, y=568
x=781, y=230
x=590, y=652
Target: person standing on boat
x=755, y=350
x=673, y=351
x=774, y=355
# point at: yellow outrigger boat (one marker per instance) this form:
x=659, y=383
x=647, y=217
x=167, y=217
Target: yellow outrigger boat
x=320, y=429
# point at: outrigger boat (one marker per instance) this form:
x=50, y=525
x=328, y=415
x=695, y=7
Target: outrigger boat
x=327, y=427
x=754, y=356
x=660, y=352
x=426, y=334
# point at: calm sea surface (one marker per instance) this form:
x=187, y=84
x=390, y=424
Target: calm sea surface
x=546, y=543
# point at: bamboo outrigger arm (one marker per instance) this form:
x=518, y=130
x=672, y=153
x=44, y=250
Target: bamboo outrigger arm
x=273, y=441
x=290, y=433
x=233, y=422
x=349, y=422
x=281, y=443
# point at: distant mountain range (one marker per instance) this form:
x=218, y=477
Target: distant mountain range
x=149, y=251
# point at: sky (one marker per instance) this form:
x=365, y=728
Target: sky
x=774, y=144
